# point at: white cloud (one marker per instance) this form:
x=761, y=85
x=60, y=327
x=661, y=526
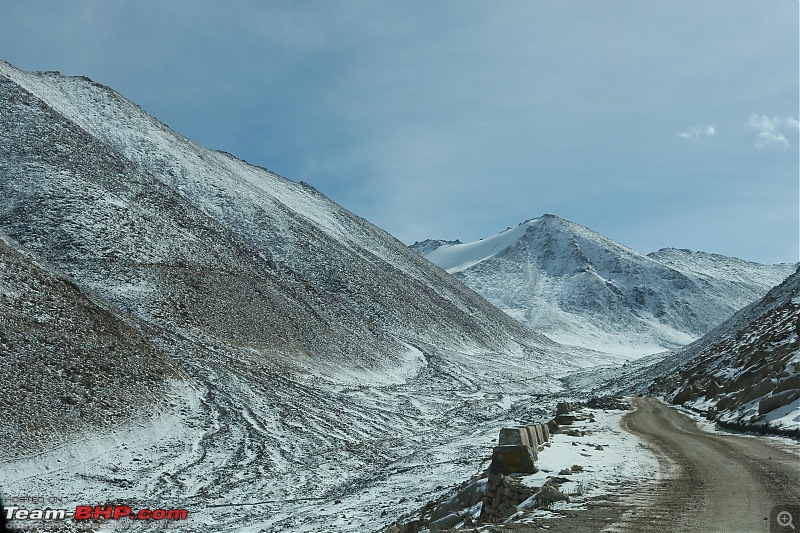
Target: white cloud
x=770, y=131
x=694, y=133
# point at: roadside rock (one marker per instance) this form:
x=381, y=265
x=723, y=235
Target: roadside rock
x=770, y=403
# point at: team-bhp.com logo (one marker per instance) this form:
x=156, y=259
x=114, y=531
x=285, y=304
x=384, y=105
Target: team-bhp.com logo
x=94, y=512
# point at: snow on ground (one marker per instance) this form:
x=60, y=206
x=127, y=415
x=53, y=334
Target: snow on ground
x=596, y=460
x=293, y=452
x=80, y=472
x=788, y=414
x=608, y=455
x=786, y=418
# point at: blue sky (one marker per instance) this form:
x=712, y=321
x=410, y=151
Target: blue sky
x=659, y=123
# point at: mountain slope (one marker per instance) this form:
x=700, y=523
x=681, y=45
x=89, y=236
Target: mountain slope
x=747, y=371
x=336, y=251
x=581, y=288
x=318, y=358
x=267, y=219
x=114, y=228
x=67, y=363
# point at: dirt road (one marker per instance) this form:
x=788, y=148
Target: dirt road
x=721, y=482
x=714, y=483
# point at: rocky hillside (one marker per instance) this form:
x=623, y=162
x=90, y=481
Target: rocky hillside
x=745, y=373
x=68, y=363
x=202, y=244
x=581, y=288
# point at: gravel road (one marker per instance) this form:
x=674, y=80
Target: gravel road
x=725, y=483
x=713, y=482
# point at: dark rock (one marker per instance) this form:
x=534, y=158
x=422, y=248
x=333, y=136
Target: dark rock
x=791, y=383
x=448, y=522
x=763, y=388
x=548, y=495
x=684, y=396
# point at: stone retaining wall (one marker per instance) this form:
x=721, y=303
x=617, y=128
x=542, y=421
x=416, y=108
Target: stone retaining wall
x=501, y=492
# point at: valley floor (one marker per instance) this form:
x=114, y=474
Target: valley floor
x=290, y=452
x=706, y=481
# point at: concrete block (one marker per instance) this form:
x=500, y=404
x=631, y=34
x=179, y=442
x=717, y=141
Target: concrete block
x=512, y=459
x=533, y=438
x=513, y=436
x=565, y=420
x=563, y=408
x=539, y=434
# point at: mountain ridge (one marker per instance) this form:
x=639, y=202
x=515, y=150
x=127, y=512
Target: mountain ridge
x=745, y=373
x=215, y=182
x=573, y=284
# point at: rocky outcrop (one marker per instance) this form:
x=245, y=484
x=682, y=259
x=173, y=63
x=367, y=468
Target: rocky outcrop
x=545, y=497
x=774, y=401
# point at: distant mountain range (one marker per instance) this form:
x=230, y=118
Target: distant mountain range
x=583, y=289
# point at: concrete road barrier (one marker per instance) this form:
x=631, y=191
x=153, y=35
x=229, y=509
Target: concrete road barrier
x=512, y=460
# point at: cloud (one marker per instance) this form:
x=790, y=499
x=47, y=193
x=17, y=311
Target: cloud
x=770, y=131
x=694, y=133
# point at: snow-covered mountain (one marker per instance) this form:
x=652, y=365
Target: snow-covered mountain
x=246, y=335
x=581, y=288
x=139, y=210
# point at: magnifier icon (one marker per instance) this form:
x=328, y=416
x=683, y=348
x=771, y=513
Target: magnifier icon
x=785, y=519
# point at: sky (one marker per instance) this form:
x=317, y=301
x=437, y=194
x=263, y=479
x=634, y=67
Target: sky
x=667, y=123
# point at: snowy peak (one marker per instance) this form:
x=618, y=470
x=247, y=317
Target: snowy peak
x=567, y=247
x=454, y=256
x=579, y=287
